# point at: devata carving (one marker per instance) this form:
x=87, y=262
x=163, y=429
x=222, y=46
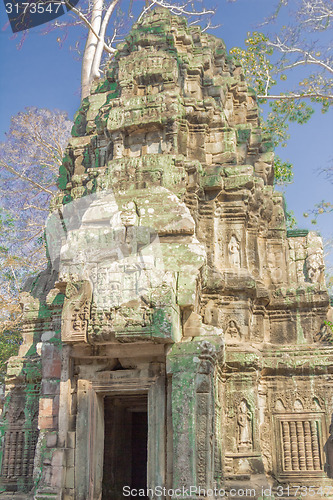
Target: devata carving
x=232, y=330
x=244, y=421
x=234, y=253
x=177, y=337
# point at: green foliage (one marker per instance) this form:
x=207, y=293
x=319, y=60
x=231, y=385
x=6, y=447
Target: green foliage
x=10, y=340
x=290, y=219
x=262, y=72
x=329, y=325
x=255, y=62
x=283, y=171
x=324, y=207
x=282, y=112
x=316, y=81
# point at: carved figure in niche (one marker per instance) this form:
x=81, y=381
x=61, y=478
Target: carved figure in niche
x=276, y=264
x=279, y=406
x=234, y=252
x=278, y=216
x=244, y=421
x=118, y=146
x=232, y=330
x=211, y=316
x=315, y=266
x=316, y=404
x=300, y=271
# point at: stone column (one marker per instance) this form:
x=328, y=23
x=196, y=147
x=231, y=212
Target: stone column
x=191, y=367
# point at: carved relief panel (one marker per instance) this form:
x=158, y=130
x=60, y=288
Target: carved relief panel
x=240, y=414
x=241, y=454
x=245, y=424
x=76, y=312
x=229, y=242
x=236, y=321
x=299, y=434
x=234, y=252
x=20, y=439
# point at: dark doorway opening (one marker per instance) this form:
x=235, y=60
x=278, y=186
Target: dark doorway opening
x=125, y=446
x=139, y=449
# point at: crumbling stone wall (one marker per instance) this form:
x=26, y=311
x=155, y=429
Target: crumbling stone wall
x=174, y=277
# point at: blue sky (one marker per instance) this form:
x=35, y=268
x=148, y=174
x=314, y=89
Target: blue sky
x=43, y=74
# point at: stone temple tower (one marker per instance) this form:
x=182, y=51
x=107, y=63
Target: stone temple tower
x=177, y=339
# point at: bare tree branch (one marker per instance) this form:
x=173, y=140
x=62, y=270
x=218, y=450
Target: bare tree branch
x=178, y=10
x=100, y=45
x=25, y=178
x=316, y=14
x=293, y=96
x=308, y=57
x=108, y=49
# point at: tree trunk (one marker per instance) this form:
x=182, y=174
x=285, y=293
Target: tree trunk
x=90, y=48
x=94, y=73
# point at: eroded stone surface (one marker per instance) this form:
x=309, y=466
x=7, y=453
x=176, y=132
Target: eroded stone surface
x=176, y=292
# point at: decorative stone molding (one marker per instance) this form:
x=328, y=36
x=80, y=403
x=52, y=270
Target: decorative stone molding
x=76, y=312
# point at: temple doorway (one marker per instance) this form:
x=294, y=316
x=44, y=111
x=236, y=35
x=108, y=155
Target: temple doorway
x=125, y=446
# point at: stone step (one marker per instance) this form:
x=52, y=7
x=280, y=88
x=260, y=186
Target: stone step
x=237, y=477
x=15, y=496
x=47, y=494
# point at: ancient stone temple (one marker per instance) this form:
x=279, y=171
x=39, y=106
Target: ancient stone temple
x=177, y=339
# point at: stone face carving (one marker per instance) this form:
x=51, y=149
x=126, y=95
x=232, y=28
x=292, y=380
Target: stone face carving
x=175, y=293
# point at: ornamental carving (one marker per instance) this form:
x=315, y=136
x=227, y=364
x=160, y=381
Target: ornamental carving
x=76, y=312
x=288, y=401
x=234, y=252
x=301, y=444
x=20, y=438
x=244, y=422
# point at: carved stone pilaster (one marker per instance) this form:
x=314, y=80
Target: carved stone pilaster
x=76, y=312
x=193, y=410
